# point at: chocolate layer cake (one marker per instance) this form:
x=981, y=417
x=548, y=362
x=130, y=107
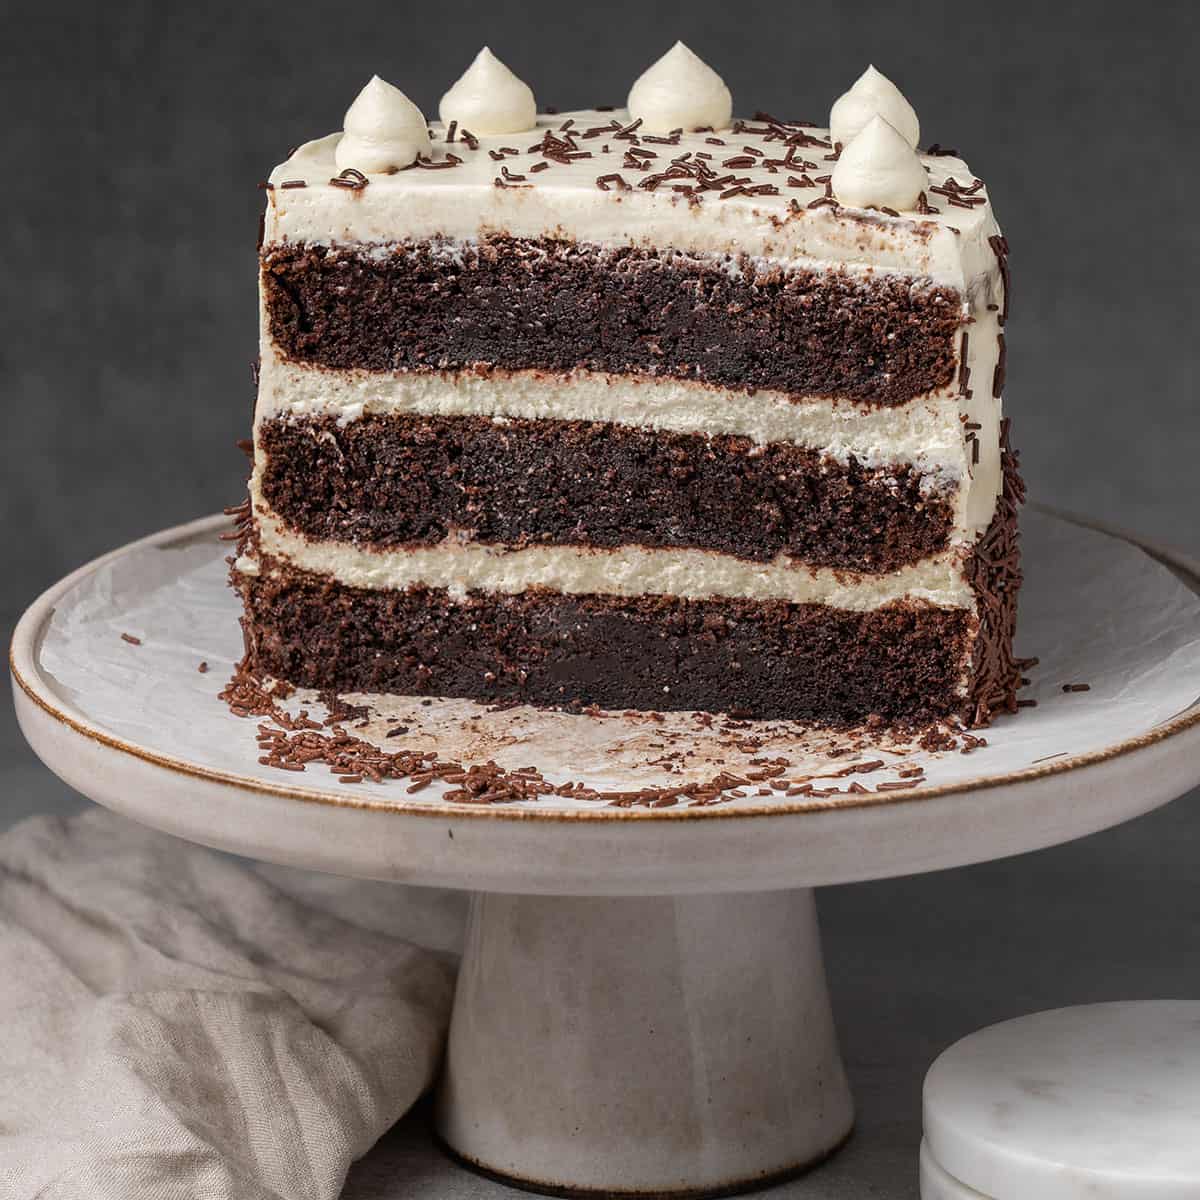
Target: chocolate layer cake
x=638, y=408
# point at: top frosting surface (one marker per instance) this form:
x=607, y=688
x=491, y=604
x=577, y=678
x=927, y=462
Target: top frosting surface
x=761, y=187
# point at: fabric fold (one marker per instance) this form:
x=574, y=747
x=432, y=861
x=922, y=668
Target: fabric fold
x=180, y=1023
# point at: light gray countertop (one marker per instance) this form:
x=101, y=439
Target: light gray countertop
x=913, y=964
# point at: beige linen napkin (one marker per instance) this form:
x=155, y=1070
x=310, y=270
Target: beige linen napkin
x=176, y=1023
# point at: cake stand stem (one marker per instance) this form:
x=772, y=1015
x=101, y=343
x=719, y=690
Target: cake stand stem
x=643, y=1045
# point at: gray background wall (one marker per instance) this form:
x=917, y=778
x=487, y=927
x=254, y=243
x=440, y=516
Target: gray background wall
x=133, y=136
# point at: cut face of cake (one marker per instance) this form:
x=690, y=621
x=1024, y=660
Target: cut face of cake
x=655, y=409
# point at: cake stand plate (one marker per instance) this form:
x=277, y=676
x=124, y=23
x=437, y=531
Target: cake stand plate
x=642, y=1006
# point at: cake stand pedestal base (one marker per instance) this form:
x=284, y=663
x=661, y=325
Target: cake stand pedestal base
x=659, y=1045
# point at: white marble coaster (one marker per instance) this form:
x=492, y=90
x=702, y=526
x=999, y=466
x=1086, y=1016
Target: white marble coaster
x=1100, y=1102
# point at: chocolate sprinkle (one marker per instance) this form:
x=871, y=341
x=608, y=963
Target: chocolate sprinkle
x=350, y=178
x=999, y=245
x=428, y=164
x=994, y=573
x=293, y=743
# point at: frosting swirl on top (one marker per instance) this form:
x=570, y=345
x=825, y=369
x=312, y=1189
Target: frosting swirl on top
x=680, y=91
x=879, y=169
x=489, y=98
x=384, y=131
x=873, y=95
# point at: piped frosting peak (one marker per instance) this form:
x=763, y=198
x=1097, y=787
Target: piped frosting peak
x=384, y=131
x=680, y=91
x=879, y=169
x=873, y=95
x=489, y=98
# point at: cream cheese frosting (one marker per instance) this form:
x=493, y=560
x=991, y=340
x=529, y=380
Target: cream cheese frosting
x=384, y=131
x=879, y=169
x=766, y=216
x=489, y=99
x=926, y=431
x=873, y=95
x=680, y=91
x=632, y=570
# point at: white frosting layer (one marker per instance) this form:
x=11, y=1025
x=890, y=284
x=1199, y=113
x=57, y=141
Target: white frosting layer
x=629, y=571
x=873, y=95
x=489, y=99
x=564, y=201
x=385, y=131
x=879, y=168
x=926, y=432
x=680, y=91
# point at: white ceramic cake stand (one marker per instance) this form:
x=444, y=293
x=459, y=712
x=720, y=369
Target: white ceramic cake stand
x=642, y=1005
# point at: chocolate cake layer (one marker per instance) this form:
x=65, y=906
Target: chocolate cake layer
x=769, y=660
x=387, y=481
x=557, y=306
